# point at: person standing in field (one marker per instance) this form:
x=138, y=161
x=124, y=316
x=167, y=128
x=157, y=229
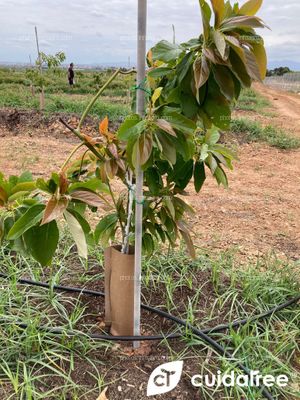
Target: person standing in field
x=71, y=74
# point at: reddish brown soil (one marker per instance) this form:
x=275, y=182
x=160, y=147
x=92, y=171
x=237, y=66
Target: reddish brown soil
x=260, y=211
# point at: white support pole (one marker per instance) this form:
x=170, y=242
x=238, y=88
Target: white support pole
x=140, y=108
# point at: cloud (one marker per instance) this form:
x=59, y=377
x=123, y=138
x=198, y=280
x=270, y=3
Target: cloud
x=105, y=31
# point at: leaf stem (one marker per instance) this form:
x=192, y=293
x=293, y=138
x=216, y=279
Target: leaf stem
x=87, y=144
x=100, y=91
x=70, y=156
x=115, y=204
x=125, y=244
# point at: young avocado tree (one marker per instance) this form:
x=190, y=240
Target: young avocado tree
x=190, y=89
x=39, y=79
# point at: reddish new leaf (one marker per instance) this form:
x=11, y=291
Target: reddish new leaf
x=201, y=71
x=166, y=126
x=111, y=168
x=142, y=149
x=54, y=209
x=63, y=183
x=87, y=197
x=103, y=127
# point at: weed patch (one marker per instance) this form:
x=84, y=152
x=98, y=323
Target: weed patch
x=269, y=134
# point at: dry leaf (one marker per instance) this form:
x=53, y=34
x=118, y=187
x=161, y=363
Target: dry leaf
x=102, y=395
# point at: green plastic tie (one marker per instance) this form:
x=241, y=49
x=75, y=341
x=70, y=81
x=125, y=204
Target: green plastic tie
x=142, y=202
x=140, y=87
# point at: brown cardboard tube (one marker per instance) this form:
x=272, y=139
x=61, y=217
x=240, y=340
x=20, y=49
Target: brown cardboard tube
x=107, y=274
x=119, y=290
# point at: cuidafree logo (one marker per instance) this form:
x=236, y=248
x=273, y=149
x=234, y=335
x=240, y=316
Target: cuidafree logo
x=164, y=378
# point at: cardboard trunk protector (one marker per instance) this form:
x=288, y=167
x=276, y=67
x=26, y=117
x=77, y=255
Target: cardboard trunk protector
x=119, y=291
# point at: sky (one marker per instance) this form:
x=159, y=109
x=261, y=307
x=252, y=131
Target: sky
x=104, y=31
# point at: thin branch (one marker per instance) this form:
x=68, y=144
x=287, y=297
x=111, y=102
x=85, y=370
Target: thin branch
x=100, y=91
x=78, y=134
x=115, y=204
x=125, y=244
x=82, y=160
x=70, y=156
x=131, y=71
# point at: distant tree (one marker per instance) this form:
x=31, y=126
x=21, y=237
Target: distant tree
x=278, y=71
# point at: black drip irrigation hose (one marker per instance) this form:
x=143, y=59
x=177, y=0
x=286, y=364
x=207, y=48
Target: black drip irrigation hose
x=202, y=334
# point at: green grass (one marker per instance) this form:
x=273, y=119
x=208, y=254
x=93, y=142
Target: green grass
x=254, y=131
x=87, y=81
x=115, y=103
x=20, y=97
x=250, y=100
x=208, y=291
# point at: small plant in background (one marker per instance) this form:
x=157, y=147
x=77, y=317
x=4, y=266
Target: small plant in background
x=97, y=80
x=37, y=78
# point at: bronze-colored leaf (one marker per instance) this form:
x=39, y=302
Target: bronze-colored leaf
x=87, y=197
x=103, y=126
x=242, y=21
x=111, y=168
x=201, y=71
x=54, y=209
x=142, y=149
x=232, y=40
x=213, y=56
x=166, y=126
x=252, y=66
x=63, y=183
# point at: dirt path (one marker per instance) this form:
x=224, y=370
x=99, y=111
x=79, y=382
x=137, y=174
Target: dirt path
x=259, y=213
x=286, y=113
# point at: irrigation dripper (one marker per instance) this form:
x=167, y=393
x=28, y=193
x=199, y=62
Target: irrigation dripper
x=203, y=334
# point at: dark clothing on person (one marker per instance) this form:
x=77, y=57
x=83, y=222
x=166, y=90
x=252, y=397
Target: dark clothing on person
x=71, y=75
